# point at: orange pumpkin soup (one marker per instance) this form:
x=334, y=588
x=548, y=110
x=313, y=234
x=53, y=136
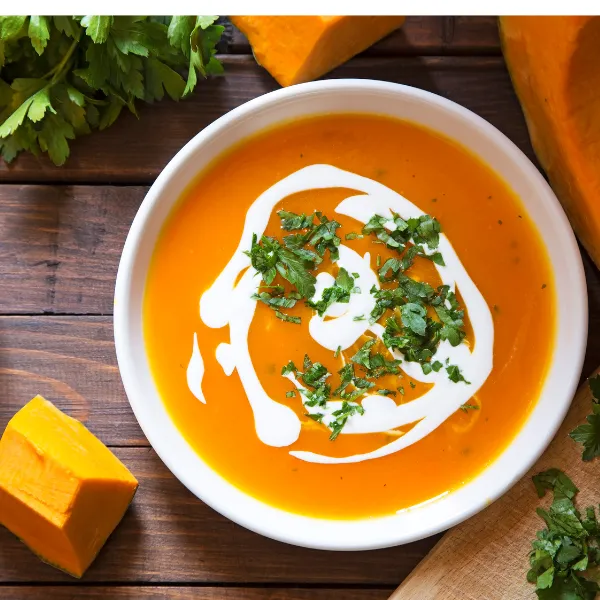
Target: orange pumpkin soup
x=349, y=359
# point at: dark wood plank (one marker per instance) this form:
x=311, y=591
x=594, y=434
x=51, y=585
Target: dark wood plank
x=134, y=151
x=170, y=536
x=421, y=36
x=60, y=246
x=71, y=362
x=187, y=593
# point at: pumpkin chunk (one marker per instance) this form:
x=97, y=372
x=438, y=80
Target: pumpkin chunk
x=553, y=63
x=62, y=491
x=302, y=48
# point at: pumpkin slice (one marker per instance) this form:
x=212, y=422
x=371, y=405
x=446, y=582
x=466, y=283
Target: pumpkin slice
x=302, y=48
x=554, y=66
x=62, y=491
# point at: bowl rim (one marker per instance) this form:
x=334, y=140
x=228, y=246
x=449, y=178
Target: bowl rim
x=369, y=533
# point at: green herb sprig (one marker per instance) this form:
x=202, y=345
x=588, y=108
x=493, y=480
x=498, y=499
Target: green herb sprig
x=568, y=546
x=588, y=434
x=62, y=77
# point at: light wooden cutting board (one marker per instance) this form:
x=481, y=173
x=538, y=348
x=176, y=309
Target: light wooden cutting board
x=487, y=557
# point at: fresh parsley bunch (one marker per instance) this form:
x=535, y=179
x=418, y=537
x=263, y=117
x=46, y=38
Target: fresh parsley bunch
x=66, y=76
x=565, y=552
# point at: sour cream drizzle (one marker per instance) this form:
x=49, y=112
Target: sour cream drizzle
x=229, y=303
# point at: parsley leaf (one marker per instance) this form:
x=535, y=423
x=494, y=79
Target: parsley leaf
x=567, y=547
x=555, y=481
x=340, y=292
x=269, y=258
x=413, y=317
x=63, y=76
x=289, y=368
x=363, y=356
x=291, y=221
x=288, y=318
x=588, y=434
x=455, y=375
x=324, y=237
x=341, y=417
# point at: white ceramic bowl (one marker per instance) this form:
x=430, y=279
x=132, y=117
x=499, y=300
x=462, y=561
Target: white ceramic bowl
x=510, y=164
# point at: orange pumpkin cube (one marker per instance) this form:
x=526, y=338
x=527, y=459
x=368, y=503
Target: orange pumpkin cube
x=302, y=48
x=62, y=491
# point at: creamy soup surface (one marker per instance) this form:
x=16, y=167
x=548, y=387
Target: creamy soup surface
x=393, y=346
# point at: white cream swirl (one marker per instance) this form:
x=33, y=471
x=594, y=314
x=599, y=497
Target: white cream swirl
x=228, y=302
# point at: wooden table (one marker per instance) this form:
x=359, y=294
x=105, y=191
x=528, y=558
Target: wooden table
x=61, y=234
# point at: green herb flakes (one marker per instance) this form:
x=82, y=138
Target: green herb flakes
x=341, y=417
x=455, y=375
x=287, y=318
x=340, y=293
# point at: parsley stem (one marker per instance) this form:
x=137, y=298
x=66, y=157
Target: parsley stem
x=59, y=70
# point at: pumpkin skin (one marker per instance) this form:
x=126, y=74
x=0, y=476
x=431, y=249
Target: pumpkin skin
x=302, y=48
x=553, y=63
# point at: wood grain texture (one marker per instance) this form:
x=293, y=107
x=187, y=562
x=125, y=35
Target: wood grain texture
x=135, y=151
x=60, y=246
x=186, y=593
x=169, y=536
x=486, y=558
x=420, y=36
x=71, y=362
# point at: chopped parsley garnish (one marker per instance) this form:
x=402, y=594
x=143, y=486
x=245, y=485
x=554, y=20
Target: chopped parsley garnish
x=287, y=318
x=270, y=258
x=435, y=366
x=290, y=394
x=468, y=407
x=385, y=392
x=293, y=260
x=291, y=221
x=455, y=375
x=337, y=352
x=363, y=356
x=339, y=292
x=588, y=434
x=323, y=237
x=410, y=329
x=407, y=237
x=277, y=300
x=341, y=417
x=351, y=388
x=289, y=368
x=314, y=374
x=416, y=316
x=354, y=236
x=318, y=417
x=568, y=547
